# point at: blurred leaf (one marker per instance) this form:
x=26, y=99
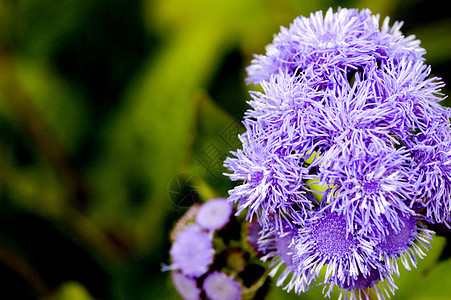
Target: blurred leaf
x=252, y=22
x=148, y=140
x=71, y=291
x=430, y=280
x=53, y=253
x=57, y=102
x=382, y=7
x=435, y=38
x=217, y=135
x=39, y=25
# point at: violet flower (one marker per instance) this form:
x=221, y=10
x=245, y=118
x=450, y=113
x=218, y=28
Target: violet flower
x=348, y=104
x=214, y=214
x=324, y=241
x=208, y=258
x=186, y=286
x=192, y=252
x=219, y=286
x=345, y=40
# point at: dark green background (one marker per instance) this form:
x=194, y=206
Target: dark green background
x=115, y=116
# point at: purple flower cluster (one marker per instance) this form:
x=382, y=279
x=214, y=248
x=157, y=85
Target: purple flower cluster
x=349, y=105
x=204, y=259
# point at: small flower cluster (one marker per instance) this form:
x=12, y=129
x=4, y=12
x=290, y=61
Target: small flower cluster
x=346, y=156
x=208, y=258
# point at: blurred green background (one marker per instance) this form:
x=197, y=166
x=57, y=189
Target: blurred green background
x=115, y=116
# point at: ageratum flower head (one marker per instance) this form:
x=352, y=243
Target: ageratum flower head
x=347, y=105
x=369, y=185
x=345, y=40
x=219, y=286
x=186, y=286
x=278, y=248
x=192, y=252
x=405, y=244
x=209, y=260
x=324, y=241
x=214, y=214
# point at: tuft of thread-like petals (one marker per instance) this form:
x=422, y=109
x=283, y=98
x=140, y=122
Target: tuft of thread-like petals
x=346, y=157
